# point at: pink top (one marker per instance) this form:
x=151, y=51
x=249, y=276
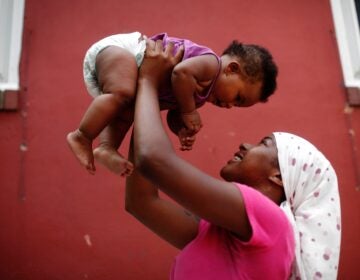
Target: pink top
x=217, y=254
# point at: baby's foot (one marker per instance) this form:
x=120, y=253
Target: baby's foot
x=112, y=160
x=82, y=149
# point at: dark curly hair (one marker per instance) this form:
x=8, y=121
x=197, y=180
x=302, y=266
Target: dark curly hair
x=256, y=65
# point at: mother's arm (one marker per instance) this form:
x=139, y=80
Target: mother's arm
x=214, y=200
x=168, y=220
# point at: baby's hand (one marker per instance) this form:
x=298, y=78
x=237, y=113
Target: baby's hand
x=177, y=126
x=192, y=121
x=187, y=139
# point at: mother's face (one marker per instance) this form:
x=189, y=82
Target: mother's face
x=252, y=165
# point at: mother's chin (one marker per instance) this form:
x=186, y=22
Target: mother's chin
x=225, y=172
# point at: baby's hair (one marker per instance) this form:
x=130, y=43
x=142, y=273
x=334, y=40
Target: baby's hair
x=257, y=65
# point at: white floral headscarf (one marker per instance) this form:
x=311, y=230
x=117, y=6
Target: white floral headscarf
x=312, y=206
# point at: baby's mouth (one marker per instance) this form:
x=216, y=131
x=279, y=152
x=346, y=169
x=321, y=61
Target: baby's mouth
x=216, y=102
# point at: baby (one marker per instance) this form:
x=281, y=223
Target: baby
x=243, y=76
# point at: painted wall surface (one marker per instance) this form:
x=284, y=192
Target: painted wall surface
x=58, y=222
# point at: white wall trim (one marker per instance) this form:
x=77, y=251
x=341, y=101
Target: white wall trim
x=348, y=40
x=11, y=29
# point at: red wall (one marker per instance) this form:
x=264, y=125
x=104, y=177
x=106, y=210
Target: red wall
x=58, y=222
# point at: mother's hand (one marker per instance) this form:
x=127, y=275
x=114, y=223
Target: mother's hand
x=159, y=62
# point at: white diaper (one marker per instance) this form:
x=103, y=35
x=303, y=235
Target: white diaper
x=128, y=41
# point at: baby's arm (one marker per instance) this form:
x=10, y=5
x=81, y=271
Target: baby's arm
x=189, y=77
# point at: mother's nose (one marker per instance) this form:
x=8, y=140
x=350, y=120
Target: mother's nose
x=245, y=146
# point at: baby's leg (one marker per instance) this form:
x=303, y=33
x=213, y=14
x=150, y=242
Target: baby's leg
x=110, y=140
x=81, y=146
x=117, y=74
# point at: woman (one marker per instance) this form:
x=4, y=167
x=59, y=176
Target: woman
x=280, y=199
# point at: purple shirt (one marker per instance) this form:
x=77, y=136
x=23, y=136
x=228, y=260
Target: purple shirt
x=191, y=49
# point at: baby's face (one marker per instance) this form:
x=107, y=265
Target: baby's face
x=232, y=90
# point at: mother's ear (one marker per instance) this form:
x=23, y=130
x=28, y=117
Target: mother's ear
x=276, y=179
